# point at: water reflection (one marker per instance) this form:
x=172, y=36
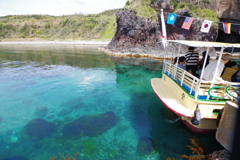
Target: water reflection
x=150, y=64
x=72, y=55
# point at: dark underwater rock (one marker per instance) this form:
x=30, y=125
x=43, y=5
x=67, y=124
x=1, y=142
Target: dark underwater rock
x=40, y=128
x=41, y=111
x=91, y=126
x=145, y=146
x=16, y=158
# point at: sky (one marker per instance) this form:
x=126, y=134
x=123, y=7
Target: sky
x=57, y=7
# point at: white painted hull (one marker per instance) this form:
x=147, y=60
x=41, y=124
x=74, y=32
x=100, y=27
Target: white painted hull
x=183, y=104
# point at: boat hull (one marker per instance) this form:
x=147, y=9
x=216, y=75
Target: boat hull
x=207, y=126
x=181, y=103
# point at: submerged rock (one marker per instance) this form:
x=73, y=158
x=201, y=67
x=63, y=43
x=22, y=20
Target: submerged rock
x=40, y=128
x=16, y=158
x=41, y=111
x=91, y=126
x=145, y=146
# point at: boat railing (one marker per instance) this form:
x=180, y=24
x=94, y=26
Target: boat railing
x=198, y=89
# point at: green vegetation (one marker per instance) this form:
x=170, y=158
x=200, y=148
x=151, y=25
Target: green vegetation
x=78, y=26
x=143, y=9
x=112, y=154
x=89, y=147
x=85, y=27
x=205, y=1
x=196, y=11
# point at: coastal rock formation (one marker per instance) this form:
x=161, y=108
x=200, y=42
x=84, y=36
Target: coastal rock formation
x=134, y=32
x=91, y=126
x=137, y=35
x=226, y=11
x=177, y=32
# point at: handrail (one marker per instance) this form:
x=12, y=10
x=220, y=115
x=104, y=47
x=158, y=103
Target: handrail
x=194, y=86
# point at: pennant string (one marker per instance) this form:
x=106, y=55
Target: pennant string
x=202, y=19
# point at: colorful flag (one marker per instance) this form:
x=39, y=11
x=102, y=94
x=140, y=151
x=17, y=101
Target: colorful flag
x=187, y=23
x=171, y=18
x=206, y=26
x=227, y=28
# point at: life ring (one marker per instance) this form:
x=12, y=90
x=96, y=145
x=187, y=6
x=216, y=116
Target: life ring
x=219, y=117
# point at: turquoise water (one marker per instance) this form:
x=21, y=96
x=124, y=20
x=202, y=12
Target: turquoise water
x=46, y=88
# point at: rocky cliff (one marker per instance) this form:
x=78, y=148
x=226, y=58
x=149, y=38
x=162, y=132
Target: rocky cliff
x=134, y=34
x=226, y=11
x=139, y=35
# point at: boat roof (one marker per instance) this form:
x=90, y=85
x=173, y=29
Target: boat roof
x=205, y=43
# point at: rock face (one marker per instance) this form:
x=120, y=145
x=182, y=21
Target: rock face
x=133, y=32
x=136, y=34
x=177, y=32
x=90, y=125
x=226, y=10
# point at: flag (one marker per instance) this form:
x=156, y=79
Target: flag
x=164, y=33
x=206, y=26
x=187, y=23
x=227, y=28
x=171, y=18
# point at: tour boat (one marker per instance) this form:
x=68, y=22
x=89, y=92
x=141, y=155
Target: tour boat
x=196, y=101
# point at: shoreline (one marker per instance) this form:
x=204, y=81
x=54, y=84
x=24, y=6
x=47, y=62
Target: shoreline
x=57, y=42
x=101, y=48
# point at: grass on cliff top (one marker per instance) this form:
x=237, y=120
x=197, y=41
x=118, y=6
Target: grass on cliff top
x=143, y=9
x=198, y=12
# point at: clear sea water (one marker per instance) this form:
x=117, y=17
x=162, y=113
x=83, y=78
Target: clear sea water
x=61, y=83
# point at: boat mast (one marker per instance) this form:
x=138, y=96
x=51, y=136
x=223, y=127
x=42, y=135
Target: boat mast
x=203, y=68
x=164, y=32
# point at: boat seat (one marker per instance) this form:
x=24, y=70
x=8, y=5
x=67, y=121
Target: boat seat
x=228, y=72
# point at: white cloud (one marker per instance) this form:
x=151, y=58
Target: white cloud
x=57, y=7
